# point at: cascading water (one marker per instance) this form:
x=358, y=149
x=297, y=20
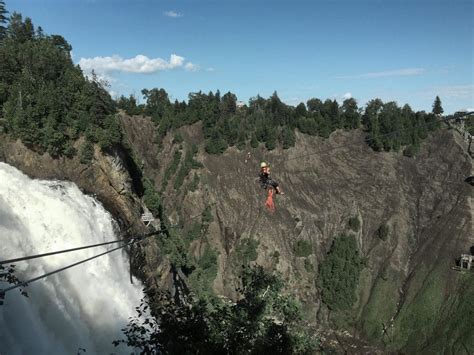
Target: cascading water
x=83, y=307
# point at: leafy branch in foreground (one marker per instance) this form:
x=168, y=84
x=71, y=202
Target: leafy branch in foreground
x=261, y=321
x=7, y=274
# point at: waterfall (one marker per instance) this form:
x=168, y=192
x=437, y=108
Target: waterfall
x=83, y=307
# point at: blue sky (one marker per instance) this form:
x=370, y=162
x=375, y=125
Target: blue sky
x=407, y=51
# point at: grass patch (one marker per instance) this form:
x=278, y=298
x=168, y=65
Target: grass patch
x=380, y=308
x=420, y=313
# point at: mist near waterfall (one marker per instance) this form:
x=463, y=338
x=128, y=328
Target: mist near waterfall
x=83, y=307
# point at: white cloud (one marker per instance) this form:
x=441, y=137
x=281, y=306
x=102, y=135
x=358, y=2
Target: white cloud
x=387, y=73
x=191, y=67
x=347, y=95
x=210, y=69
x=172, y=14
x=138, y=64
x=453, y=91
x=293, y=101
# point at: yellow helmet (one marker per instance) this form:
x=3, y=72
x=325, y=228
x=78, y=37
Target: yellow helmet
x=263, y=164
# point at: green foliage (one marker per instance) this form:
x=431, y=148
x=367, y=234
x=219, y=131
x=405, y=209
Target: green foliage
x=354, y=223
x=175, y=248
x=470, y=124
x=437, y=108
x=45, y=99
x=246, y=250
x=303, y=248
x=129, y=105
x=410, y=151
x=194, y=183
x=178, y=138
x=202, y=278
x=194, y=232
x=207, y=215
x=419, y=317
x=151, y=198
x=454, y=330
x=276, y=256
x=391, y=127
x=171, y=169
x=263, y=320
x=86, y=153
x=339, y=273
x=3, y=20
x=188, y=164
x=383, y=232
x=111, y=133
x=8, y=275
x=308, y=266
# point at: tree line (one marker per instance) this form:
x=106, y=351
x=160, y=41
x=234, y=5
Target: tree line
x=227, y=122
x=45, y=100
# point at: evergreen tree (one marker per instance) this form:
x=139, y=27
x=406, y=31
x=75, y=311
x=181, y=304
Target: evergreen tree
x=300, y=110
x=437, y=108
x=3, y=20
x=350, y=114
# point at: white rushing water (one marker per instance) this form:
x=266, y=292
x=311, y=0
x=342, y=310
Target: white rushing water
x=83, y=307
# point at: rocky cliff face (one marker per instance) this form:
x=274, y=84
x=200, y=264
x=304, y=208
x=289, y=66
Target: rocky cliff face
x=107, y=177
x=407, y=291
x=408, y=297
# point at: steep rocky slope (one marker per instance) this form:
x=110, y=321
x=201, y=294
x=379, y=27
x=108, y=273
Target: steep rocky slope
x=408, y=297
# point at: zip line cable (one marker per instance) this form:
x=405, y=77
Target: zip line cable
x=78, y=248
x=25, y=283
x=130, y=243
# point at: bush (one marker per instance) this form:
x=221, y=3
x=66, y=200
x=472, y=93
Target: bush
x=383, y=232
x=86, y=153
x=178, y=138
x=207, y=215
x=202, y=278
x=339, y=273
x=171, y=169
x=354, y=223
x=410, y=151
x=194, y=183
x=151, y=198
x=246, y=250
x=303, y=248
x=263, y=320
x=194, y=232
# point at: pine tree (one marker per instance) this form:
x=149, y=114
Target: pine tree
x=437, y=108
x=3, y=19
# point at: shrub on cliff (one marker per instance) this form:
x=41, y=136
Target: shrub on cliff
x=262, y=320
x=339, y=273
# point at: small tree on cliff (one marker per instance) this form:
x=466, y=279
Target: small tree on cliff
x=437, y=108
